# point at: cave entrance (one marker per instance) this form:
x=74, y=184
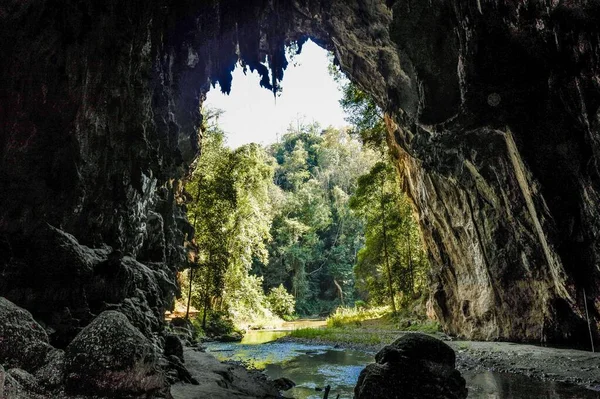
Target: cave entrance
x=282, y=207
x=288, y=144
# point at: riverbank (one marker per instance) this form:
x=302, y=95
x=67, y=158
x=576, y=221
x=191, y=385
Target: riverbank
x=541, y=363
x=217, y=380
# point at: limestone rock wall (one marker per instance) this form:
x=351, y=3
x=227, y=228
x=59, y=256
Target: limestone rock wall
x=504, y=171
x=492, y=114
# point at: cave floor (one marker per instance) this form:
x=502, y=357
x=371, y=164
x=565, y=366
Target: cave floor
x=543, y=363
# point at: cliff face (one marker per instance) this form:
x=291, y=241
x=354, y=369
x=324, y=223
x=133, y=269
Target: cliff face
x=492, y=110
x=502, y=164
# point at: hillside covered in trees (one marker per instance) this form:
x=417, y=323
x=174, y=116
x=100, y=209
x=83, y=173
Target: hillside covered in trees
x=301, y=227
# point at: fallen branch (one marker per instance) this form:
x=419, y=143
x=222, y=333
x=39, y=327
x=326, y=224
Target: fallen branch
x=327, y=389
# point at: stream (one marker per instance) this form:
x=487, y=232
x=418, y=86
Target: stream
x=312, y=367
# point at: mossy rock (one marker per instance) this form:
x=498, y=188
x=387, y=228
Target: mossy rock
x=111, y=357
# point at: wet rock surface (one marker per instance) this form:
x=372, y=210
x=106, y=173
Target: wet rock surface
x=541, y=363
x=284, y=384
x=413, y=366
x=52, y=374
x=562, y=365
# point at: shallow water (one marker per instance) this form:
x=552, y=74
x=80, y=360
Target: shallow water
x=312, y=367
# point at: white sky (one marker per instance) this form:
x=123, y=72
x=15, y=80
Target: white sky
x=252, y=115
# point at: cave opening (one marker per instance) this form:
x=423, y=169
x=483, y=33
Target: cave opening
x=294, y=187
x=491, y=115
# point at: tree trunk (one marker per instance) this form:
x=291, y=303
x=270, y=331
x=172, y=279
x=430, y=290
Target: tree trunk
x=206, y=297
x=187, y=311
x=340, y=291
x=385, y=248
x=410, y=267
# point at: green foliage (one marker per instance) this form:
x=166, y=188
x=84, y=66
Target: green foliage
x=315, y=236
x=362, y=113
x=355, y=316
x=344, y=336
x=282, y=303
x=314, y=220
x=428, y=327
x=219, y=323
x=230, y=211
x=392, y=264
x=360, y=304
x=393, y=258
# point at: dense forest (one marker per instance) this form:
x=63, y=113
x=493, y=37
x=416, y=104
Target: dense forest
x=301, y=227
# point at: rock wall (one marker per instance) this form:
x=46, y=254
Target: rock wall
x=492, y=114
x=504, y=171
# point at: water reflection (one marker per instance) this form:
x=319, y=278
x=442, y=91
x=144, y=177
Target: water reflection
x=488, y=385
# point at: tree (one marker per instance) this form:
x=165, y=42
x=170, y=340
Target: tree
x=282, y=302
x=377, y=201
x=231, y=214
x=315, y=236
x=211, y=185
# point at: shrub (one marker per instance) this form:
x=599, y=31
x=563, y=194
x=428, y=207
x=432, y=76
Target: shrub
x=358, y=304
x=281, y=302
x=219, y=323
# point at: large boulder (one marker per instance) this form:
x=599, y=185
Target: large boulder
x=23, y=342
x=111, y=357
x=2, y=379
x=52, y=374
x=415, y=366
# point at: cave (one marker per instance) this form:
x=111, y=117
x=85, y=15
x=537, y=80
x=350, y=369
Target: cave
x=492, y=116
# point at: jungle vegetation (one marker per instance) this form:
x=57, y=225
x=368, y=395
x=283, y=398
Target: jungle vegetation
x=301, y=227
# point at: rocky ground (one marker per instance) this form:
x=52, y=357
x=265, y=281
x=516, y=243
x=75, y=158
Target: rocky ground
x=221, y=380
x=543, y=363
x=111, y=358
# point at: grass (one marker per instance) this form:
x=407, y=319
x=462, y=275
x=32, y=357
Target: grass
x=355, y=316
x=366, y=326
x=427, y=327
x=463, y=346
x=344, y=335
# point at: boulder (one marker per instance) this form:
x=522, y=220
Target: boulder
x=25, y=380
x=173, y=346
x=2, y=378
x=12, y=389
x=234, y=336
x=52, y=374
x=184, y=328
x=23, y=342
x=284, y=384
x=415, y=366
x=111, y=357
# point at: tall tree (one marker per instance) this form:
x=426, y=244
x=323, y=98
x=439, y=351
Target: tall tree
x=315, y=236
x=212, y=187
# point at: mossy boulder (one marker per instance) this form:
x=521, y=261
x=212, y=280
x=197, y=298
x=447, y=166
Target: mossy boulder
x=111, y=357
x=23, y=342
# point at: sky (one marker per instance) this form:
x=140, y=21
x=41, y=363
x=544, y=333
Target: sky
x=252, y=115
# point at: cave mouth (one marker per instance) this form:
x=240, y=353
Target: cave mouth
x=99, y=112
